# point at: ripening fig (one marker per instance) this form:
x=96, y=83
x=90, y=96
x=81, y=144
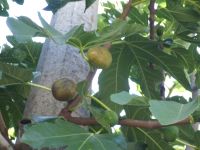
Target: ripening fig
x=64, y=89
x=100, y=57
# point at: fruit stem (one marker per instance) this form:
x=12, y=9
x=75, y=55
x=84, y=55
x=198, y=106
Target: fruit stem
x=99, y=102
x=98, y=132
x=185, y=143
x=38, y=86
x=117, y=42
x=83, y=54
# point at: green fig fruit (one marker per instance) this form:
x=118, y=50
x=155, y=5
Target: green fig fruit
x=111, y=117
x=170, y=133
x=64, y=89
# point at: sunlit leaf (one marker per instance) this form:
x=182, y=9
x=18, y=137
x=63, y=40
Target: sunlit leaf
x=124, y=98
x=169, y=112
x=20, y=30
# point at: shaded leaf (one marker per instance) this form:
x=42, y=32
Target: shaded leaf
x=21, y=2
x=69, y=135
x=11, y=106
x=137, y=17
x=145, y=50
x=150, y=138
x=185, y=20
x=14, y=75
x=197, y=138
x=82, y=88
x=184, y=14
x=186, y=133
x=99, y=117
x=4, y=8
x=137, y=146
x=88, y=3
x=54, y=5
x=27, y=54
x=153, y=139
x=147, y=139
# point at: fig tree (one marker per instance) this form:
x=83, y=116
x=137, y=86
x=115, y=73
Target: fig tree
x=100, y=57
x=64, y=89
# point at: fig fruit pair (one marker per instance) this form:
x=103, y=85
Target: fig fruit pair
x=100, y=57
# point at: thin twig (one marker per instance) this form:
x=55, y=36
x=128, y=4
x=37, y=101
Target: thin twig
x=152, y=19
x=171, y=90
x=152, y=13
x=90, y=77
x=126, y=10
x=150, y=124
x=72, y=104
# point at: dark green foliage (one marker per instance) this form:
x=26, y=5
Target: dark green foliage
x=117, y=76
x=21, y=2
x=71, y=136
x=17, y=64
x=54, y=5
x=4, y=8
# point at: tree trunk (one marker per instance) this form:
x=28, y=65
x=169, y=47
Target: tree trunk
x=57, y=61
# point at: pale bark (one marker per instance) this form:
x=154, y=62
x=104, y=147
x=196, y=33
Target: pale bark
x=57, y=61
